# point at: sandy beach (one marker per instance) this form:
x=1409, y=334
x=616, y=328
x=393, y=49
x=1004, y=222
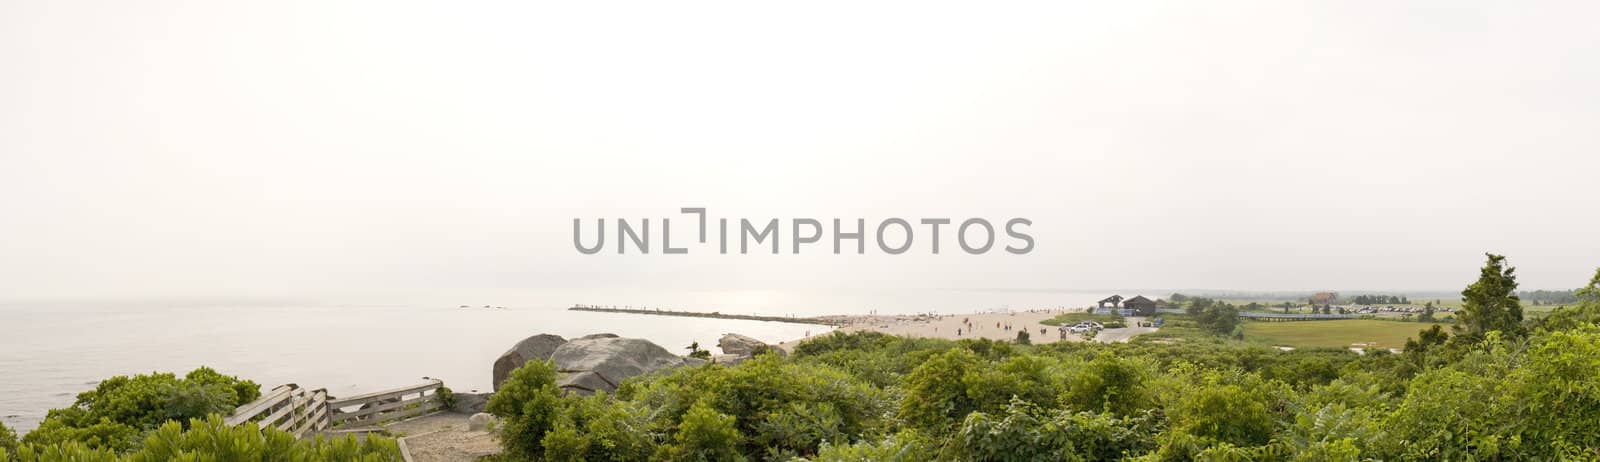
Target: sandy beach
x=990, y=325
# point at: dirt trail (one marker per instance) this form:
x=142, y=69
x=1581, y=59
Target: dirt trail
x=443, y=437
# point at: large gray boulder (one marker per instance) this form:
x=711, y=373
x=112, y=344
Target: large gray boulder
x=535, y=348
x=739, y=345
x=601, y=362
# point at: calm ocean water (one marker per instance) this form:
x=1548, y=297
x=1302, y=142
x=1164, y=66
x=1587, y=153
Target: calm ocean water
x=49, y=352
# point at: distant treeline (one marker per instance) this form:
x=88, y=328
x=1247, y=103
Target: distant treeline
x=1549, y=297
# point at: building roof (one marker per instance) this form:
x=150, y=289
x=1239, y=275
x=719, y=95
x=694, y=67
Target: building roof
x=1138, y=298
x=1111, y=299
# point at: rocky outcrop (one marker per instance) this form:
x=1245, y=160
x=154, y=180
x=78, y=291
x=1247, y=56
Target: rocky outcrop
x=743, y=346
x=601, y=362
x=535, y=348
x=738, y=345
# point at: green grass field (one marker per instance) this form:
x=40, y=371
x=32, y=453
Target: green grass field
x=1340, y=334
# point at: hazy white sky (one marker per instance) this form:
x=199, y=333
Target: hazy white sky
x=294, y=147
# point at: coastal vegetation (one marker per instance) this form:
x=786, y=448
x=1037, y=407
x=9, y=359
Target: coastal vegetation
x=8, y=440
x=1490, y=385
x=117, y=413
x=210, y=439
x=1493, y=386
x=162, y=417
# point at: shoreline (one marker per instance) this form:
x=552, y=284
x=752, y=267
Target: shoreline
x=986, y=325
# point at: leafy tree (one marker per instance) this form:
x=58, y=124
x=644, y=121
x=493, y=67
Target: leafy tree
x=1219, y=318
x=1427, y=340
x=1022, y=337
x=1491, y=303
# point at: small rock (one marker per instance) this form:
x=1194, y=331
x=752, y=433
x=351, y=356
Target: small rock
x=479, y=422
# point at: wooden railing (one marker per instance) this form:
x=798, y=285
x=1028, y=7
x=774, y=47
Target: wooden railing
x=385, y=406
x=288, y=408
x=302, y=412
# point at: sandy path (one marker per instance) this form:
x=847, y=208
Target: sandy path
x=443, y=437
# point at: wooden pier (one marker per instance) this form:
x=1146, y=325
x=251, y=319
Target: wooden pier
x=822, y=320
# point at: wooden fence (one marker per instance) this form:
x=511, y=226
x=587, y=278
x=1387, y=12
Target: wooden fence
x=303, y=412
x=375, y=408
x=288, y=408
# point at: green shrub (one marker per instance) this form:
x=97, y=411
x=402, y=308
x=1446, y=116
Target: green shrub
x=447, y=397
x=121, y=409
x=1190, y=392
x=600, y=428
x=527, y=405
x=705, y=435
x=211, y=439
x=8, y=440
x=791, y=406
x=1025, y=432
x=935, y=397
x=1110, y=384
x=904, y=446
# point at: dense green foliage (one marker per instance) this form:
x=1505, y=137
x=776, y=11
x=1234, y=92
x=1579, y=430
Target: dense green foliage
x=1499, y=391
x=1549, y=297
x=8, y=439
x=210, y=440
x=1215, y=316
x=1491, y=303
x=117, y=413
